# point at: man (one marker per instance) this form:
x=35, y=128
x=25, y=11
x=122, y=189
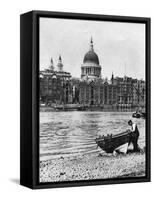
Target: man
x=134, y=135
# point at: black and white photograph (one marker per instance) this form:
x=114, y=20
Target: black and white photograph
x=92, y=100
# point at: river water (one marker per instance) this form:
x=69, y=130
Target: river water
x=73, y=133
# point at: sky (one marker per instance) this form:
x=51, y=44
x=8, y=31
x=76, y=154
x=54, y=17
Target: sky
x=119, y=46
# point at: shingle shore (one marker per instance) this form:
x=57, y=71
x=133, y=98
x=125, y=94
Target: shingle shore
x=93, y=166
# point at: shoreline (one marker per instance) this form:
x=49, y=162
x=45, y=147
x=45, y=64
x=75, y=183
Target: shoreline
x=49, y=109
x=95, y=166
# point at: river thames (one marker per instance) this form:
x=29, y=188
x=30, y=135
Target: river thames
x=64, y=134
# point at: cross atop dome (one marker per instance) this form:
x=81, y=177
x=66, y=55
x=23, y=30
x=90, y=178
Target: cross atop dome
x=91, y=44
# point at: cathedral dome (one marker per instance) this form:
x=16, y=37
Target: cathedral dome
x=91, y=57
x=90, y=67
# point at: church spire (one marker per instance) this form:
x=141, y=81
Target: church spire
x=60, y=58
x=60, y=64
x=91, y=44
x=112, y=78
x=51, y=66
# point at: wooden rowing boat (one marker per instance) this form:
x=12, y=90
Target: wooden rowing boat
x=111, y=143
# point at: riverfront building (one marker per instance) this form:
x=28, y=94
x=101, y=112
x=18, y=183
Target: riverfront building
x=55, y=85
x=58, y=87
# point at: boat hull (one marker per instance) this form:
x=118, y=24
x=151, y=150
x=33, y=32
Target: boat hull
x=110, y=143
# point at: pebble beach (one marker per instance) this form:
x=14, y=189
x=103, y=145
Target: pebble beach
x=95, y=166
